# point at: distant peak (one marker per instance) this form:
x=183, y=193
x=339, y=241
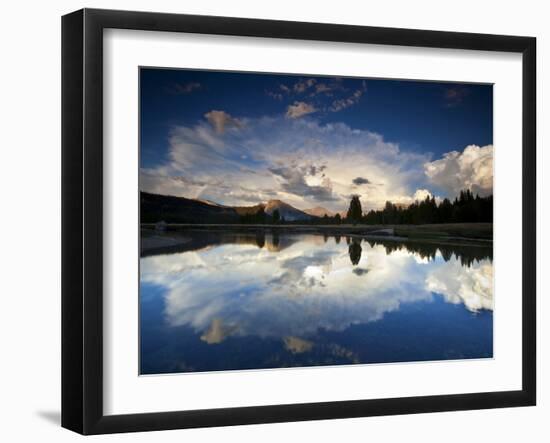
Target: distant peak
x=319, y=211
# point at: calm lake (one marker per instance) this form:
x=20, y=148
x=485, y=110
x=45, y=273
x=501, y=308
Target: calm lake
x=225, y=301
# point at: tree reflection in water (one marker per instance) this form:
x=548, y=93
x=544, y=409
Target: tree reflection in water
x=467, y=253
x=354, y=251
x=260, y=239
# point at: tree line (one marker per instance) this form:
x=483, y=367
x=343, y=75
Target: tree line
x=465, y=208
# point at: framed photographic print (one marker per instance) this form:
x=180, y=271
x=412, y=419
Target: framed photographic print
x=269, y=221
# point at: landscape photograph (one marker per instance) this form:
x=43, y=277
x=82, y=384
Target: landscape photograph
x=303, y=220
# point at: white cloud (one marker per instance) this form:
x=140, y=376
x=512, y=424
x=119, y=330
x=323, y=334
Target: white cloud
x=418, y=196
x=421, y=194
x=281, y=289
x=320, y=159
x=470, y=286
x=221, y=120
x=471, y=169
x=299, y=109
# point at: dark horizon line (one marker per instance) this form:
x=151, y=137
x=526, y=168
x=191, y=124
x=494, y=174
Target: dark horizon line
x=402, y=205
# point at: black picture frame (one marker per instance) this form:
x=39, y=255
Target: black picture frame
x=82, y=219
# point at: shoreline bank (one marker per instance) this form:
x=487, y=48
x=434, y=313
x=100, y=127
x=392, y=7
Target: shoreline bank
x=479, y=232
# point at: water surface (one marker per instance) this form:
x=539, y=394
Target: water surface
x=230, y=301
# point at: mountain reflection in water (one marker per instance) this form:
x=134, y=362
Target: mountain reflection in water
x=229, y=300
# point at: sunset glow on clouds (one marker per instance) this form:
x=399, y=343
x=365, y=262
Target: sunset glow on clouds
x=309, y=146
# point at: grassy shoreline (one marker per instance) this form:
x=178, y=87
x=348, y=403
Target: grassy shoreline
x=482, y=232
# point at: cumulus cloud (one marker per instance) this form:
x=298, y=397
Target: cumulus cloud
x=470, y=169
x=300, y=161
x=470, y=286
x=299, y=109
x=418, y=196
x=220, y=120
x=280, y=294
x=421, y=194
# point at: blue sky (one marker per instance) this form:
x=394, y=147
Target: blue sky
x=242, y=138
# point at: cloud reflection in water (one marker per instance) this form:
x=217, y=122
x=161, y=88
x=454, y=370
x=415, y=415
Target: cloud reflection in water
x=289, y=293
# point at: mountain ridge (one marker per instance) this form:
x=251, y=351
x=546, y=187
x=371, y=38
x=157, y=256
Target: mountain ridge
x=286, y=211
x=173, y=209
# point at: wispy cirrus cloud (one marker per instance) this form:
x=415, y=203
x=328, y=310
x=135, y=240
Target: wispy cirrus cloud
x=313, y=86
x=455, y=95
x=328, y=88
x=275, y=95
x=346, y=102
x=303, y=85
x=284, y=88
x=186, y=88
x=318, y=91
